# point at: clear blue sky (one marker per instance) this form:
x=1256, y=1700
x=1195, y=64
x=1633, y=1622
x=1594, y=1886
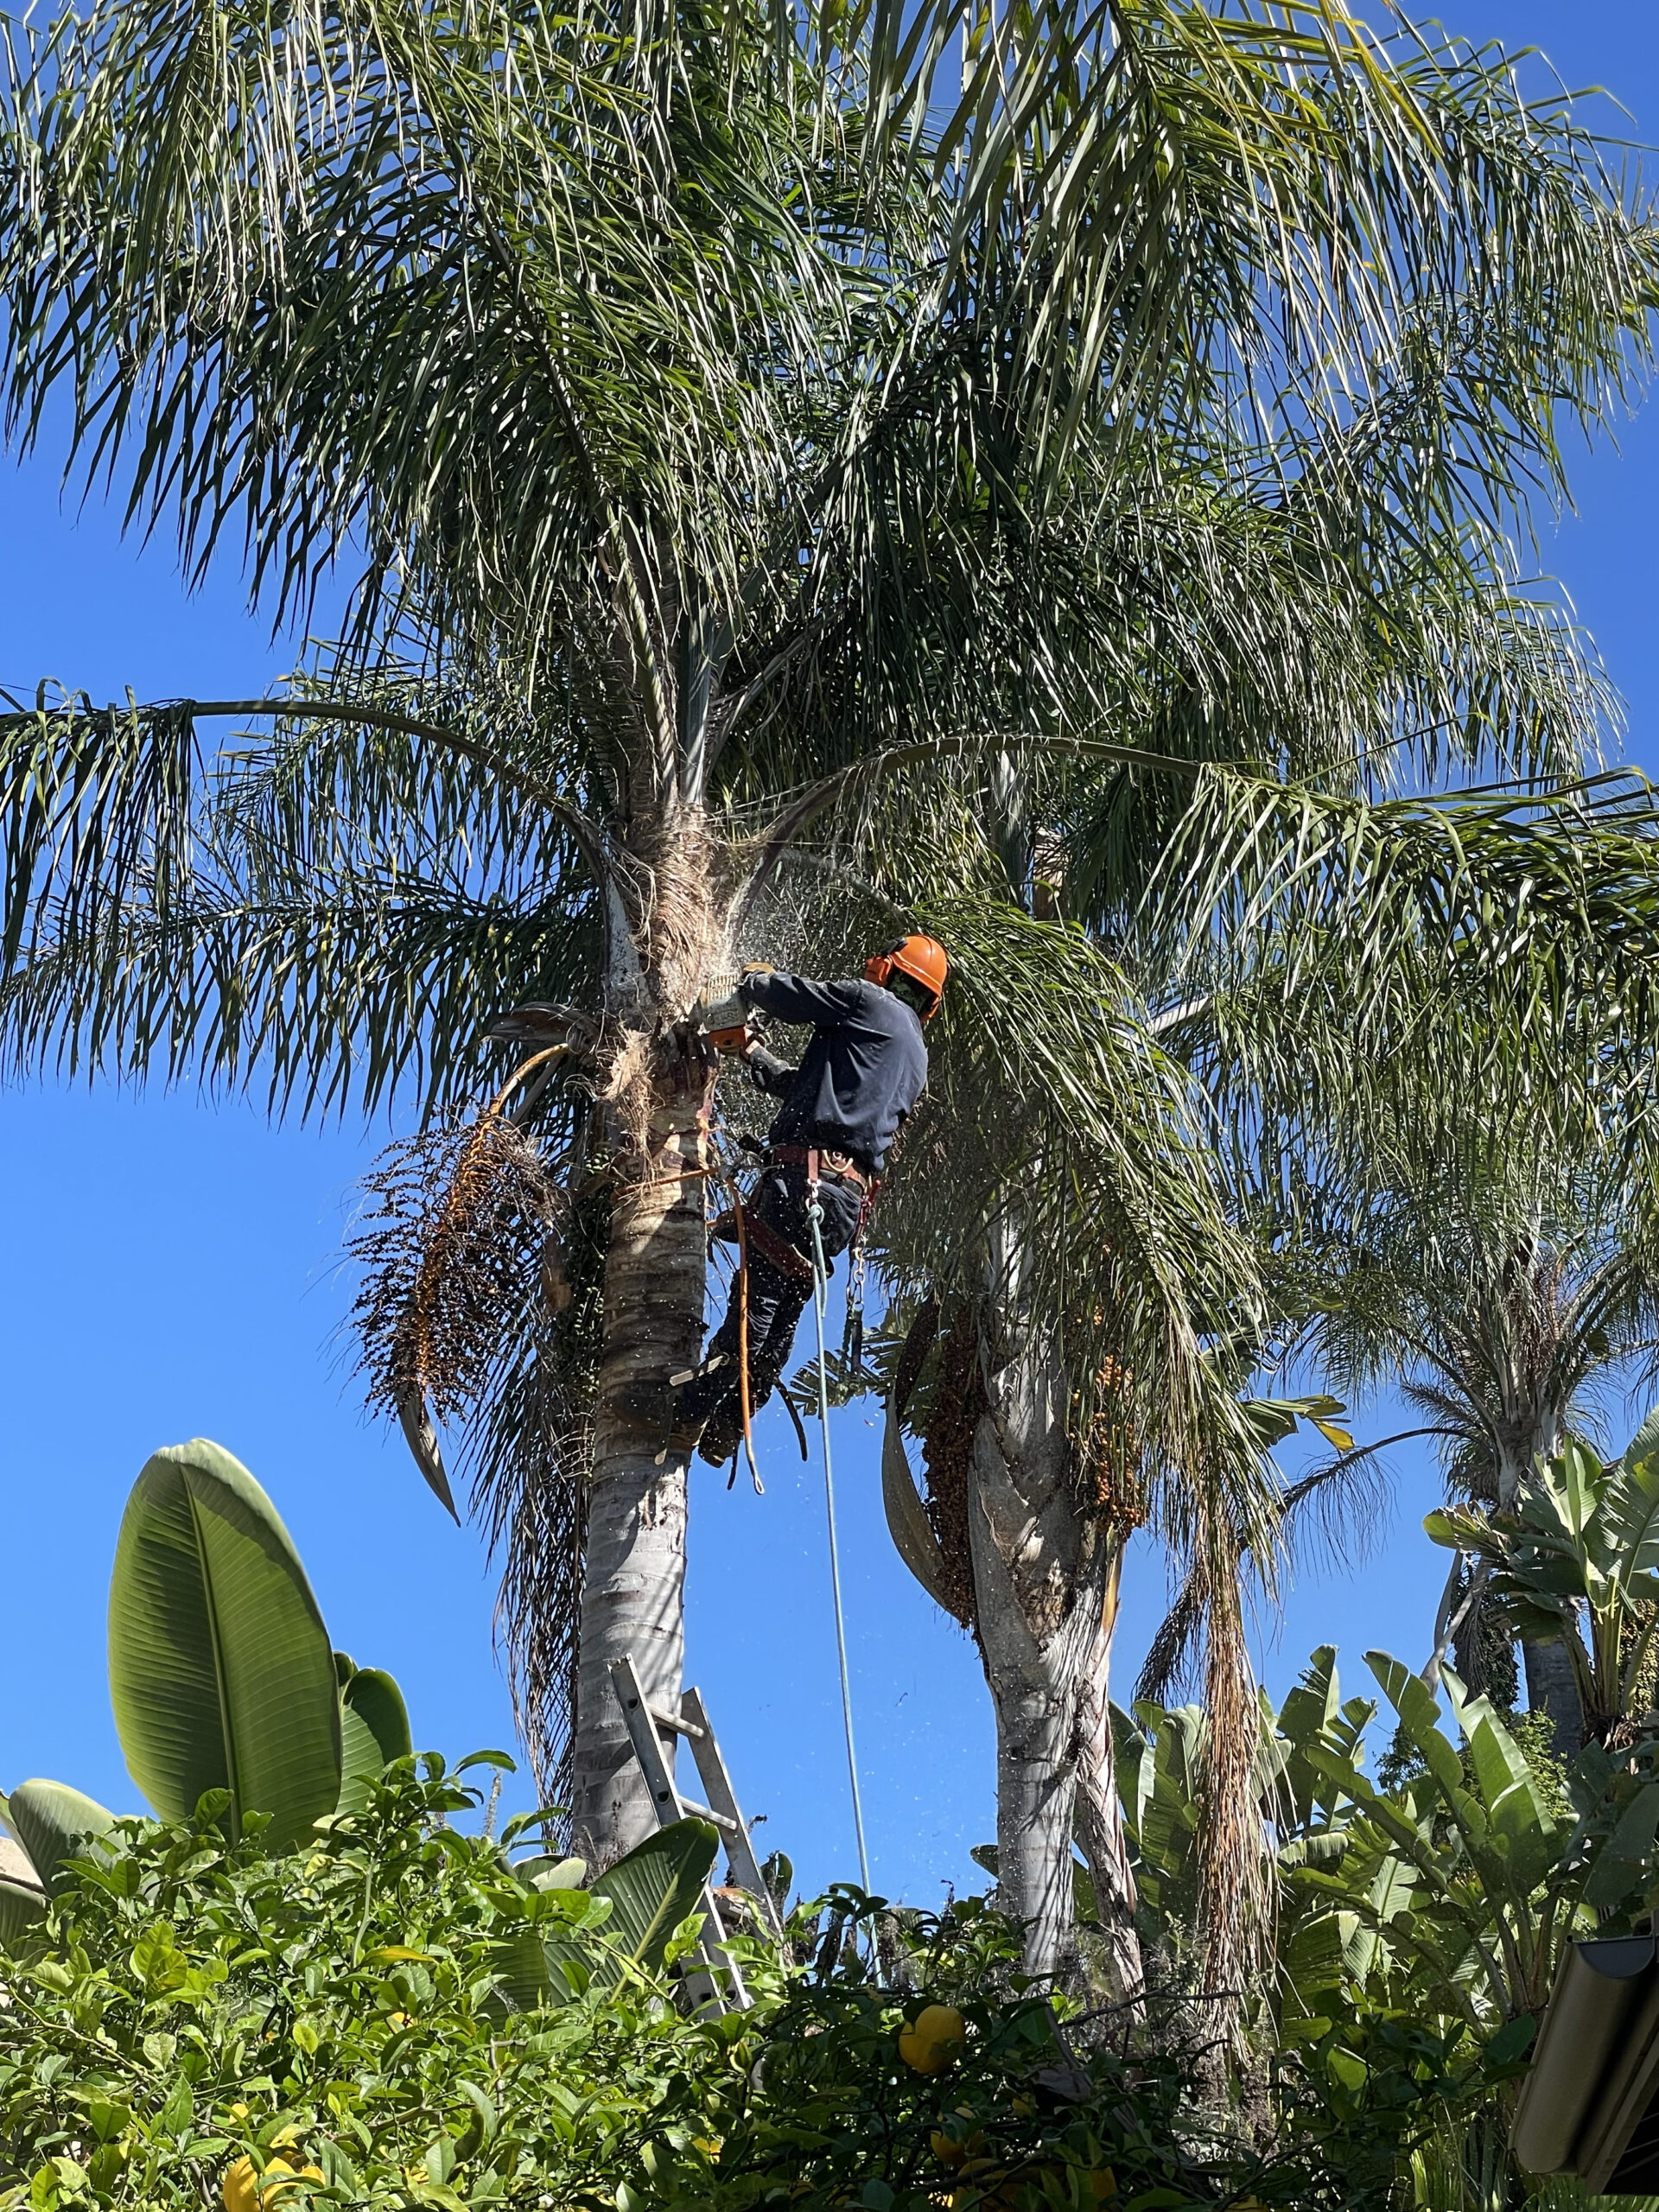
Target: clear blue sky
x=170, y=1271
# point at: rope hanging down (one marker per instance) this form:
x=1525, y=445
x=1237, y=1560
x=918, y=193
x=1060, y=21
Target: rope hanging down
x=820, y=1307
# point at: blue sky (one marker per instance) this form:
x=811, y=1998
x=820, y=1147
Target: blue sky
x=171, y=1269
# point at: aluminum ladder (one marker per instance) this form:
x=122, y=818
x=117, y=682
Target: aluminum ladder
x=652, y=1732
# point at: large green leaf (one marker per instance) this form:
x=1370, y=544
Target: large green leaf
x=20, y=1909
x=54, y=1823
x=1624, y=1862
x=373, y=1730
x=1411, y=1699
x=1631, y=1512
x=651, y=1891
x=1519, y=1819
x=220, y=1669
x=22, y=1900
x=654, y=1887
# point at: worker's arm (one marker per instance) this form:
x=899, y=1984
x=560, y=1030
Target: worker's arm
x=768, y=1072
x=792, y=998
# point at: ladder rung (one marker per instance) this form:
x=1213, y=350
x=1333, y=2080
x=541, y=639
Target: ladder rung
x=673, y=1722
x=707, y=1812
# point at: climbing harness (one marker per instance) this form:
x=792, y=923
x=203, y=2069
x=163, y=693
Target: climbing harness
x=820, y=1305
x=783, y=1255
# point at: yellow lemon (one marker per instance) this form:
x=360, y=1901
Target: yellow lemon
x=1103, y=2183
x=242, y=2191
x=951, y=2150
x=933, y=2039
x=238, y=2191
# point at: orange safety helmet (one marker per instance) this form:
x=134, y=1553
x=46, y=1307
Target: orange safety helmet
x=922, y=958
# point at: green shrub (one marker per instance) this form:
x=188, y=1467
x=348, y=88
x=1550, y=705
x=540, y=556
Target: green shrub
x=191, y=2001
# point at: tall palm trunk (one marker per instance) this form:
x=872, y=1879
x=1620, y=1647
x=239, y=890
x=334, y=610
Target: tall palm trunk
x=632, y=1598
x=1099, y=1821
x=633, y=1571
x=1040, y=1569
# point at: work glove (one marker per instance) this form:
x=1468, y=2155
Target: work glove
x=758, y=968
x=767, y=1072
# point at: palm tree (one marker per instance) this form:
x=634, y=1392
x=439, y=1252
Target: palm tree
x=1504, y=1297
x=721, y=413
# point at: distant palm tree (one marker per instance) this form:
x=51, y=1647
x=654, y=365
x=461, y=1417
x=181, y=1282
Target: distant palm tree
x=1505, y=1305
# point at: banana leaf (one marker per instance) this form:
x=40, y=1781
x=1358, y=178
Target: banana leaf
x=221, y=1672
x=373, y=1731
x=54, y=1823
x=650, y=1891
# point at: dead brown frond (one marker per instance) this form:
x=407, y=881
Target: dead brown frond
x=624, y=1090
x=453, y=1243
x=479, y=1308
x=1234, y=1899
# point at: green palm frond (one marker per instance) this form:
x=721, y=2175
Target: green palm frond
x=604, y=326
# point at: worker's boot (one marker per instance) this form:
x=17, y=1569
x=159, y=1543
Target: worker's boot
x=722, y=1431
x=688, y=1400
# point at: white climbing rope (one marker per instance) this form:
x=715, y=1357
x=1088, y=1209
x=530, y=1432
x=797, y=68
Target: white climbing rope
x=820, y=1307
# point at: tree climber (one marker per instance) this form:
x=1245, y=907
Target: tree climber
x=860, y=1077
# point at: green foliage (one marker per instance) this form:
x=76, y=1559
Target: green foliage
x=221, y=1672
x=1582, y=1537
x=53, y=1824
x=198, y=1998
x=220, y=1675
x=373, y=1730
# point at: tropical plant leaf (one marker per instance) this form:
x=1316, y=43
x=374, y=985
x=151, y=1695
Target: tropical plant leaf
x=373, y=1730
x=54, y=1823
x=20, y=1909
x=655, y=1886
x=221, y=1672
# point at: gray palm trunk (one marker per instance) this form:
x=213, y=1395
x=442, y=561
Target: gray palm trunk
x=633, y=1583
x=1045, y=1590
x=666, y=922
x=1099, y=1820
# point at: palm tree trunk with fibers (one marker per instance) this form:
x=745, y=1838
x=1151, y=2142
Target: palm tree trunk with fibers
x=634, y=1570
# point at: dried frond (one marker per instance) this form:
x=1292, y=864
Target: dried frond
x=1234, y=1892
x=451, y=1246
x=480, y=1298
x=1171, y=1648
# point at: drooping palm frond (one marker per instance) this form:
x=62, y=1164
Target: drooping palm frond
x=478, y=1309
x=613, y=328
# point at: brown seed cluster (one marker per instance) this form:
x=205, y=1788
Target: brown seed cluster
x=959, y=1404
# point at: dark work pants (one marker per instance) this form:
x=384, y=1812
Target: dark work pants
x=777, y=1300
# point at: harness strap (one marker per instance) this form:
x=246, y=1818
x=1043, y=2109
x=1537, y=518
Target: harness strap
x=818, y=1162
x=773, y=1248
